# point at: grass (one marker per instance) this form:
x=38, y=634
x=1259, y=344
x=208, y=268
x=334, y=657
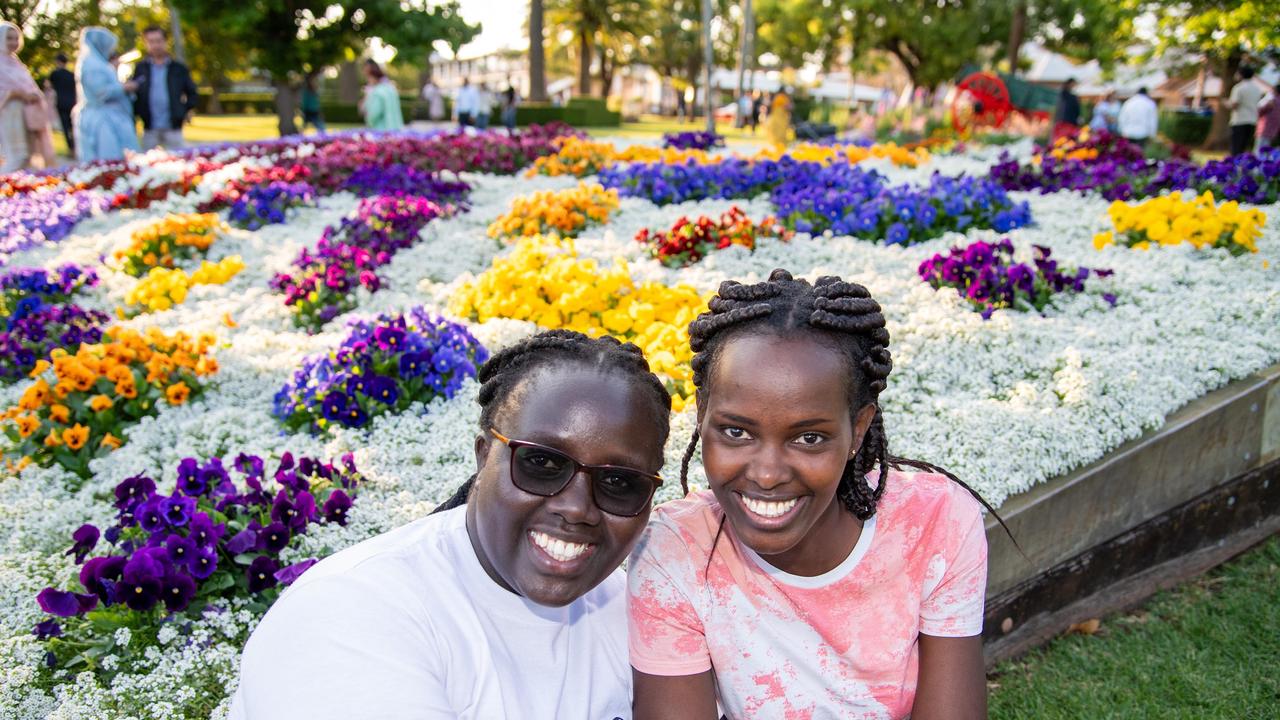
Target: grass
x=1209, y=649
x=219, y=128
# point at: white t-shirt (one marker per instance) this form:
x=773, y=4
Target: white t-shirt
x=409, y=625
x=1138, y=118
x=468, y=100
x=1246, y=96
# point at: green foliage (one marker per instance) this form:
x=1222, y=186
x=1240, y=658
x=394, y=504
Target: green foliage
x=1185, y=128
x=289, y=38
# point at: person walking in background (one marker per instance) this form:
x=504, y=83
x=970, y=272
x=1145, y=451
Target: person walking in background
x=484, y=106
x=1105, y=113
x=24, y=112
x=435, y=101
x=102, y=117
x=510, y=101
x=757, y=107
x=1066, y=116
x=163, y=93
x=63, y=82
x=1243, y=104
x=1138, y=118
x=381, y=100
x=1268, y=121
x=779, y=122
x=466, y=103
x=744, y=109
x=311, y=114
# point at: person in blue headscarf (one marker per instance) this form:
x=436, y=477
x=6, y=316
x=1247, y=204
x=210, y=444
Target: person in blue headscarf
x=103, y=117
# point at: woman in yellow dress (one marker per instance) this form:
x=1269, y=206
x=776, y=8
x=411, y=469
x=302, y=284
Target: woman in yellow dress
x=779, y=123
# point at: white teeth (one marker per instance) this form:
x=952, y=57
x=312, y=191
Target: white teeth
x=557, y=548
x=769, y=509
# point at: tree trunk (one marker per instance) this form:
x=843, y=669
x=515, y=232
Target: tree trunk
x=175, y=27
x=708, y=60
x=537, y=56
x=286, y=107
x=584, y=63
x=1220, y=131
x=748, y=29
x=606, y=73
x=1017, y=33
x=349, y=83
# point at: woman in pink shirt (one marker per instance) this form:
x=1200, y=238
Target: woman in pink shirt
x=814, y=579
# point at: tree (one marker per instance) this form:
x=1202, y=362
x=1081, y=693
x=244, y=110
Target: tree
x=585, y=18
x=294, y=37
x=1225, y=34
x=537, y=56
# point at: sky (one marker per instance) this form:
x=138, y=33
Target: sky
x=502, y=25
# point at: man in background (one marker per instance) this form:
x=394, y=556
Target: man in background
x=63, y=82
x=164, y=94
x=1138, y=118
x=466, y=103
x=1243, y=103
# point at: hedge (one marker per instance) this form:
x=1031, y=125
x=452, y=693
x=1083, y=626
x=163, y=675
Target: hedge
x=580, y=111
x=1185, y=128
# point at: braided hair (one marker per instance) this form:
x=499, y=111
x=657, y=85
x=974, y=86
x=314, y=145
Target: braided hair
x=847, y=317
x=504, y=372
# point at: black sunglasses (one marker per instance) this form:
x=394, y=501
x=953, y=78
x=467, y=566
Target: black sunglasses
x=540, y=470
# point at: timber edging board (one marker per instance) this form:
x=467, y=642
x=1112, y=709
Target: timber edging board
x=1209, y=472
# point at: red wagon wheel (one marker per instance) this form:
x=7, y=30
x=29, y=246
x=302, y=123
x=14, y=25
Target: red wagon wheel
x=981, y=100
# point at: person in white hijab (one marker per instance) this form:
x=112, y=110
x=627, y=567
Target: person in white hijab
x=103, y=117
x=24, y=112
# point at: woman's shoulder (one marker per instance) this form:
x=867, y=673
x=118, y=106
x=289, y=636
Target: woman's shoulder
x=927, y=495
x=691, y=522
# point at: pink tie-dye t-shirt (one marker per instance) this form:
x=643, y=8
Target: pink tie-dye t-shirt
x=839, y=645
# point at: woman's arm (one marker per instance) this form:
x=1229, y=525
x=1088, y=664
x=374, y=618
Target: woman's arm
x=953, y=682
x=674, y=697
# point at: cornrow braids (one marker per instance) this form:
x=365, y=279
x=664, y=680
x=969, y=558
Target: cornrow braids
x=504, y=372
x=850, y=319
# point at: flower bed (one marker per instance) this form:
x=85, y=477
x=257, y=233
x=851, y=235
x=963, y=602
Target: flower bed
x=688, y=241
x=269, y=204
x=382, y=366
x=693, y=140
x=1172, y=220
x=39, y=316
x=80, y=406
x=827, y=153
x=734, y=178
x=581, y=157
x=398, y=179
x=163, y=288
x=548, y=284
x=988, y=277
x=33, y=218
x=1117, y=170
x=167, y=241
x=848, y=201
x=1006, y=403
x=564, y=212
x=325, y=283
x=171, y=556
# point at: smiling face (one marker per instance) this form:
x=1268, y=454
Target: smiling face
x=599, y=418
x=777, y=431
x=12, y=41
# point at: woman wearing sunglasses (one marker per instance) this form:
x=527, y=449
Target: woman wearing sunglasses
x=507, y=601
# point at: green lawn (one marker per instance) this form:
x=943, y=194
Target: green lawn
x=1209, y=649
x=221, y=128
